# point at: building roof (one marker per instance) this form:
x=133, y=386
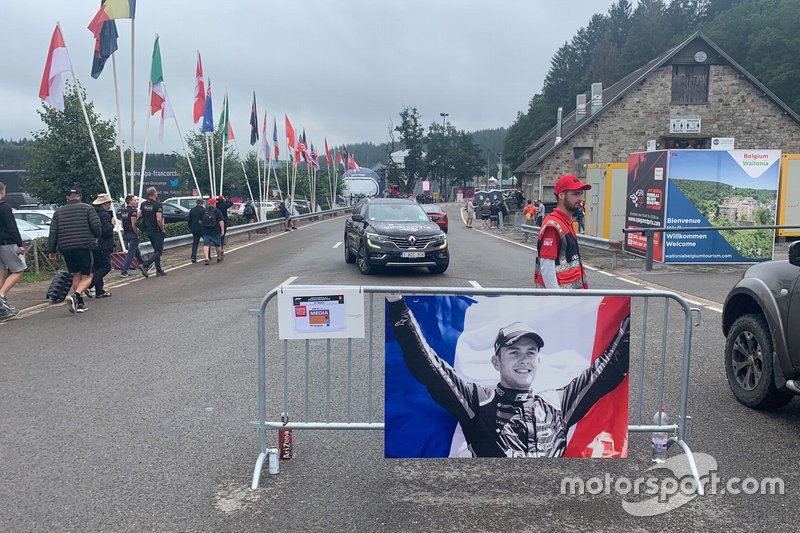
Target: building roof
x=546, y=144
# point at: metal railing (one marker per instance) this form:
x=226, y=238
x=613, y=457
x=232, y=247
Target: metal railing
x=649, y=233
x=292, y=406
x=257, y=227
x=598, y=243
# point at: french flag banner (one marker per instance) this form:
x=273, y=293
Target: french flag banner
x=510, y=376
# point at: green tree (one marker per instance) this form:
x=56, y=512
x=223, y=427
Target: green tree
x=452, y=155
x=63, y=157
x=412, y=135
x=15, y=155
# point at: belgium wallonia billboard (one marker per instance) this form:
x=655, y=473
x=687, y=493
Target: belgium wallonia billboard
x=737, y=188
x=646, y=200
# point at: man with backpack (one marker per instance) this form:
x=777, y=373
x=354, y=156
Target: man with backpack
x=213, y=230
x=249, y=212
x=195, y=222
x=287, y=210
x=152, y=222
x=223, y=205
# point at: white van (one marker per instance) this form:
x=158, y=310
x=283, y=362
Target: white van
x=184, y=201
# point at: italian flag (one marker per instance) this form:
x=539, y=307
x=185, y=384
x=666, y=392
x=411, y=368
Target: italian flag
x=159, y=101
x=52, y=90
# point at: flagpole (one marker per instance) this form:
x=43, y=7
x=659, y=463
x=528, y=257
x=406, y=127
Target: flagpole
x=119, y=128
x=133, y=99
x=144, y=152
x=239, y=153
x=213, y=165
x=222, y=165
x=117, y=225
x=260, y=189
x=210, y=173
x=183, y=143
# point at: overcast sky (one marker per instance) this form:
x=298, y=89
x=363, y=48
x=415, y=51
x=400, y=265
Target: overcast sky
x=342, y=69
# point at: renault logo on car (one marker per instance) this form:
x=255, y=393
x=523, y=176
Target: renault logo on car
x=412, y=240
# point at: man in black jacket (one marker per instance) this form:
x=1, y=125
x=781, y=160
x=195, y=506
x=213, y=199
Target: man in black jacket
x=105, y=245
x=152, y=214
x=195, y=222
x=74, y=232
x=12, y=255
x=131, y=233
x=223, y=205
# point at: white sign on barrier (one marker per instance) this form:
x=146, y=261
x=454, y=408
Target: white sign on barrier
x=307, y=313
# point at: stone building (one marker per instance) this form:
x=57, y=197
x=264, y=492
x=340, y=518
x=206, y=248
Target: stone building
x=688, y=97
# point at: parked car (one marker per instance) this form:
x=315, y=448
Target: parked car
x=175, y=213
x=31, y=231
x=184, y=201
x=393, y=232
x=436, y=214
x=761, y=321
x=302, y=206
x=36, y=217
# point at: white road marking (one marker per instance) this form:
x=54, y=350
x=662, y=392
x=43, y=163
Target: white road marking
x=713, y=309
x=475, y=284
x=607, y=274
x=338, y=244
x=629, y=281
x=289, y=281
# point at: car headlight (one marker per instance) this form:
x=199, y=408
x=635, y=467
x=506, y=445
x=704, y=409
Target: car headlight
x=441, y=237
x=376, y=239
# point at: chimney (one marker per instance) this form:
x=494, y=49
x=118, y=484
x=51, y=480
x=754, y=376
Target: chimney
x=597, y=97
x=580, y=107
x=558, y=124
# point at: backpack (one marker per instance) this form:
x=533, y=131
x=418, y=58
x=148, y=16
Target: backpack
x=209, y=220
x=249, y=210
x=282, y=208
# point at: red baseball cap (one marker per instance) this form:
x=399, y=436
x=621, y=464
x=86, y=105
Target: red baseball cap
x=212, y=201
x=570, y=182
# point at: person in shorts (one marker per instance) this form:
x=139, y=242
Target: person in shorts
x=213, y=229
x=74, y=231
x=12, y=255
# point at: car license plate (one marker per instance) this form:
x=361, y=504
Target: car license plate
x=412, y=255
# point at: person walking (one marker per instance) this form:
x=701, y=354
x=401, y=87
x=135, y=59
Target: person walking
x=580, y=214
x=494, y=210
x=249, y=212
x=152, y=214
x=223, y=205
x=529, y=211
x=101, y=255
x=131, y=234
x=74, y=231
x=195, y=222
x=502, y=213
x=486, y=213
x=288, y=210
x=558, y=261
x=470, y=208
x=12, y=255
x=213, y=229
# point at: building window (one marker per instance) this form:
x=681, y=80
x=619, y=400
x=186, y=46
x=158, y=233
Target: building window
x=690, y=84
x=583, y=157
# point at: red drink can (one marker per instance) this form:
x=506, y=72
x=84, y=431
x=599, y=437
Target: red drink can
x=285, y=443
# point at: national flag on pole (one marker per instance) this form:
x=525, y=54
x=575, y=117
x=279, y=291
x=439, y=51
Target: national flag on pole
x=339, y=160
x=301, y=147
x=208, y=111
x=276, y=150
x=254, y=122
x=314, y=157
x=225, y=123
x=158, y=91
x=327, y=154
x=264, y=142
x=52, y=89
x=344, y=158
x=104, y=46
x=289, y=134
x=112, y=10
x=199, y=91
x=351, y=162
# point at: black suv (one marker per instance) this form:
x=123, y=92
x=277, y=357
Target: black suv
x=396, y=233
x=761, y=320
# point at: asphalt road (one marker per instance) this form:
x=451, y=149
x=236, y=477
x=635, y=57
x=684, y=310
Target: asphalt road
x=135, y=416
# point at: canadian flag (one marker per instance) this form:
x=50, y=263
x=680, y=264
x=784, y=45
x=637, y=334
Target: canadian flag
x=52, y=90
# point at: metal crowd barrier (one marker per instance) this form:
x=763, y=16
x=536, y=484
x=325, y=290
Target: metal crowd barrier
x=288, y=403
x=257, y=227
x=599, y=243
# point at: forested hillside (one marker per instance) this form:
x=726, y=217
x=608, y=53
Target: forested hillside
x=761, y=35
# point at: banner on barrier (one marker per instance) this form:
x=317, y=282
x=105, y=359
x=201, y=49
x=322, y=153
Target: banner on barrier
x=512, y=376
x=335, y=313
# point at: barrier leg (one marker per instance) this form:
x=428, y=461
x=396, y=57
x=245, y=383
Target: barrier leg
x=257, y=470
x=692, y=465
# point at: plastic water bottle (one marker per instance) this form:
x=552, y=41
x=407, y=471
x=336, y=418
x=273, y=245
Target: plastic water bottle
x=660, y=438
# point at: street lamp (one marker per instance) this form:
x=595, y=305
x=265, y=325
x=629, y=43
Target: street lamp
x=444, y=116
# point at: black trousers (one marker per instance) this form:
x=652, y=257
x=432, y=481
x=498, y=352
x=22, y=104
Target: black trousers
x=196, y=238
x=102, y=266
x=157, y=240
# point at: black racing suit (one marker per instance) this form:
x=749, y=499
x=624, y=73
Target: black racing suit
x=502, y=422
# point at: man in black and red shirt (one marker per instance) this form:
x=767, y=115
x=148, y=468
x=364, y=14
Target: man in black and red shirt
x=558, y=262
x=130, y=233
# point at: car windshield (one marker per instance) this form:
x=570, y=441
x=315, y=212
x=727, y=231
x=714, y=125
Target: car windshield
x=397, y=213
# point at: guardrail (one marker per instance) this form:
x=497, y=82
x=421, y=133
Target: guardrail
x=650, y=234
x=183, y=240
x=615, y=247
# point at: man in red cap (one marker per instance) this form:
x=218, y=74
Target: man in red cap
x=558, y=262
